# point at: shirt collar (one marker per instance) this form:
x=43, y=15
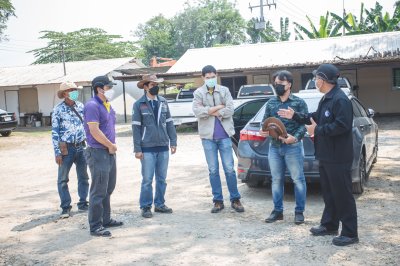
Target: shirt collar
x=332, y=92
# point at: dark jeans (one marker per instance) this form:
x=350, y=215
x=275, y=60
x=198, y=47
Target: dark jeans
x=75, y=155
x=103, y=171
x=336, y=185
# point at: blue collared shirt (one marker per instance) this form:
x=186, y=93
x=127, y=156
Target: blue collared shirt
x=66, y=125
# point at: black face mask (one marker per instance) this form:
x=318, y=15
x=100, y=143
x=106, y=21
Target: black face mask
x=154, y=90
x=280, y=89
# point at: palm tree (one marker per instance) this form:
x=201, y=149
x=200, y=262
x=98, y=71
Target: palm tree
x=284, y=34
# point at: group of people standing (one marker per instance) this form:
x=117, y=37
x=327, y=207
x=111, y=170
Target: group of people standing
x=85, y=135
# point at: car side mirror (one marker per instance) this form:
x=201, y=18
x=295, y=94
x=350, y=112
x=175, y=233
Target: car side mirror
x=371, y=112
x=355, y=88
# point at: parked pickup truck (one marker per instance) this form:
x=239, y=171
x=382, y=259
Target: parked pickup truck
x=181, y=108
x=343, y=82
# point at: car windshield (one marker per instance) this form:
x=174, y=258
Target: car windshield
x=312, y=105
x=256, y=90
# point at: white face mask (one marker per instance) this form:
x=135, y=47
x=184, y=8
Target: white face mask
x=109, y=94
x=318, y=88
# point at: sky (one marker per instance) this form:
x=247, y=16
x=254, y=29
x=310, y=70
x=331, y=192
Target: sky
x=123, y=16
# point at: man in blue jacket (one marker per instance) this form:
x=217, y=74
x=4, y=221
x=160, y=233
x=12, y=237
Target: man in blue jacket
x=153, y=135
x=331, y=126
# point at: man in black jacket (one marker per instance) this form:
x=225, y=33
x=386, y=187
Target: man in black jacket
x=331, y=126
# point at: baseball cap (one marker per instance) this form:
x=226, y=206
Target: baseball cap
x=327, y=72
x=102, y=81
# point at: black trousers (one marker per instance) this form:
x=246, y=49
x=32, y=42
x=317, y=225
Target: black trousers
x=336, y=185
x=103, y=171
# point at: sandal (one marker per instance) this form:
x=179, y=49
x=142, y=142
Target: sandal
x=101, y=232
x=113, y=223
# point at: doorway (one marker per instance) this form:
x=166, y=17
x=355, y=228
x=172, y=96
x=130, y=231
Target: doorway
x=12, y=102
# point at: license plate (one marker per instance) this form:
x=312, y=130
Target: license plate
x=7, y=118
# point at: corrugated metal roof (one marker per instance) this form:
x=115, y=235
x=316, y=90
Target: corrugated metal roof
x=80, y=71
x=275, y=54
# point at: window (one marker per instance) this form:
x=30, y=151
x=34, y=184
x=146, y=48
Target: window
x=396, y=78
x=233, y=83
x=249, y=110
x=256, y=90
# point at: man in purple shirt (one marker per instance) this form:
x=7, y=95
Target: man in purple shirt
x=101, y=155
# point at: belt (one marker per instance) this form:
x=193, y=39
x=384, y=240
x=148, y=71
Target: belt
x=79, y=144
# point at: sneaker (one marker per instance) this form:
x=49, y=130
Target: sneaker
x=84, y=207
x=113, y=223
x=237, y=206
x=298, y=218
x=146, y=212
x=163, y=209
x=66, y=213
x=274, y=216
x=218, y=206
x=101, y=232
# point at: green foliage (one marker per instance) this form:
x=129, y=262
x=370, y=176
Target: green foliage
x=284, y=33
x=265, y=35
x=328, y=27
x=206, y=23
x=85, y=44
x=6, y=11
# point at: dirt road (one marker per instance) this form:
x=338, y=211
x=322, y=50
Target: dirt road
x=31, y=233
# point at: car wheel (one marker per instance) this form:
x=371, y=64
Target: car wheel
x=5, y=133
x=358, y=187
x=255, y=184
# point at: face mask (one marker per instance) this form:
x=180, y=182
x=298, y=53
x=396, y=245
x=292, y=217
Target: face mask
x=109, y=94
x=280, y=89
x=316, y=86
x=73, y=95
x=211, y=82
x=154, y=90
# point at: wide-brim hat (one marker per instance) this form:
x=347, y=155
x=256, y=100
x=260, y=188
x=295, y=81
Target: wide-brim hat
x=275, y=127
x=149, y=78
x=66, y=86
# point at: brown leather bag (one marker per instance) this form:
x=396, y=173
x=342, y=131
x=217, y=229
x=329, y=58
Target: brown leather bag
x=63, y=147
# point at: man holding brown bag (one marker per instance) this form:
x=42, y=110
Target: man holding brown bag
x=68, y=136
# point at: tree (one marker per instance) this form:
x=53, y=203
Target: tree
x=206, y=23
x=265, y=35
x=284, y=33
x=84, y=44
x=156, y=38
x=6, y=11
x=328, y=27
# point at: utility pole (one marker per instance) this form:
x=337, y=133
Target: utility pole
x=63, y=58
x=260, y=23
x=344, y=12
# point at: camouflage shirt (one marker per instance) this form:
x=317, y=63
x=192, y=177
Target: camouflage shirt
x=292, y=127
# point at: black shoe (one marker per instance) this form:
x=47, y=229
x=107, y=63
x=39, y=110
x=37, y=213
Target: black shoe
x=321, y=230
x=218, y=206
x=146, y=212
x=298, y=218
x=274, y=216
x=113, y=223
x=66, y=213
x=344, y=240
x=84, y=207
x=237, y=206
x=163, y=209
x=101, y=232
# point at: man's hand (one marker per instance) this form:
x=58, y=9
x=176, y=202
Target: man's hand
x=311, y=128
x=289, y=140
x=263, y=133
x=286, y=113
x=112, y=149
x=59, y=160
x=173, y=149
x=139, y=155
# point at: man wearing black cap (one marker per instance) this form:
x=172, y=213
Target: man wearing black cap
x=100, y=155
x=331, y=126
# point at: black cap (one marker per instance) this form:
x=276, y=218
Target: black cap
x=327, y=72
x=102, y=81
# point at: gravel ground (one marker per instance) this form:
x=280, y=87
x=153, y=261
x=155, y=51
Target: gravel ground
x=31, y=233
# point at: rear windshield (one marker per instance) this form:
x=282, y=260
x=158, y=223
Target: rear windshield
x=186, y=94
x=342, y=84
x=256, y=90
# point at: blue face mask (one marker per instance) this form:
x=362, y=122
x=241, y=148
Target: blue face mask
x=73, y=95
x=211, y=82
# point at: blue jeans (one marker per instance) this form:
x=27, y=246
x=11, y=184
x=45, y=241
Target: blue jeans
x=75, y=155
x=292, y=157
x=153, y=163
x=211, y=148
